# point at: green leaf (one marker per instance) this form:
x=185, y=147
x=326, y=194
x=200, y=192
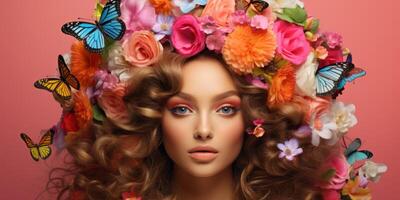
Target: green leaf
x=328, y=174
x=294, y=15
x=258, y=71
x=314, y=26
x=98, y=113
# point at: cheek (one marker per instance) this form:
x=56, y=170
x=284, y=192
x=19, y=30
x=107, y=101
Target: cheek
x=231, y=134
x=175, y=135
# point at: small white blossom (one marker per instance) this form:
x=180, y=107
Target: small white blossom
x=343, y=115
x=323, y=127
x=278, y=5
x=372, y=171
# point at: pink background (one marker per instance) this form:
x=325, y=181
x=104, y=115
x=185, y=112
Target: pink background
x=31, y=40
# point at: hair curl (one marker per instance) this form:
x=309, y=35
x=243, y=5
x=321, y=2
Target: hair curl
x=114, y=160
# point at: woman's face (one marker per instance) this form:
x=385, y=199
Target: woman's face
x=205, y=115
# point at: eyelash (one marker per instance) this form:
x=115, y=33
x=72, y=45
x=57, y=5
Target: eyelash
x=175, y=110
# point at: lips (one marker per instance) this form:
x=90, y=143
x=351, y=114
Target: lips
x=203, y=149
x=203, y=153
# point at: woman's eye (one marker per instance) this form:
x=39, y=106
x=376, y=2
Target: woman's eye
x=180, y=110
x=227, y=110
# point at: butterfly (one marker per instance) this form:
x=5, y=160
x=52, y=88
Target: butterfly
x=41, y=150
x=93, y=34
x=353, y=154
x=259, y=5
x=329, y=77
x=60, y=86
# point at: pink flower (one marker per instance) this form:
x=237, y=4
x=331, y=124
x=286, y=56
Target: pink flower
x=208, y=25
x=142, y=49
x=334, y=56
x=104, y=81
x=220, y=10
x=215, y=41
x=341, y=167
x=333, y=40
x=187, y=37
x=259, y=22
x=258, y=121
x=113, y=105
x=137, y=15
x=292, y=43
x=240, y=17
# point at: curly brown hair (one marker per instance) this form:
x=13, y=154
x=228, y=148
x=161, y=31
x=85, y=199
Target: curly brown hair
x=111, y=160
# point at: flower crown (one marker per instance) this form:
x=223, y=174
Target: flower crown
x=274, y=44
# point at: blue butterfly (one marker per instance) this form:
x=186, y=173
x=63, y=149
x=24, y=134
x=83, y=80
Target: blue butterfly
x=329, y=77
x=93, y=34
x=353, y=154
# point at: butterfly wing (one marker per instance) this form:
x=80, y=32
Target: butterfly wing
x=63, y=90
x=44, y=152
x=353, y=147
x=259, y=5
x=49, y=84
x=109, y=22
x=356, y=156
x=33, y=149
x=47, y=138
x=351, y=76
x=328, y=77
x=66, y=75
x=88, y=32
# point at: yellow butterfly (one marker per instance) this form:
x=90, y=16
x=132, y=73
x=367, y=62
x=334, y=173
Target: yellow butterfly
x=41, y=150
x=60, y=86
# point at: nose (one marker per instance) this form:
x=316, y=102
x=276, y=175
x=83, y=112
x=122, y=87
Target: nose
x=203, y=130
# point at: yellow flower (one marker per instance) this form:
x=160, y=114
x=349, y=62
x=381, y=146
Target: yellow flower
x=355, y=192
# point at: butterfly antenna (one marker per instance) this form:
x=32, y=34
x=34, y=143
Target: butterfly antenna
x=80, y=18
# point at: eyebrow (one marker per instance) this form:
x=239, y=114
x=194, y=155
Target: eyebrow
x=216, y=98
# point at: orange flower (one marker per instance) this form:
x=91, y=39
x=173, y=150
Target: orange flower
x=246, y=48
x=84, y=64
x=220, y=10
x=356, y=192
x=162, y=6
x=83, y=109
x=282, y=86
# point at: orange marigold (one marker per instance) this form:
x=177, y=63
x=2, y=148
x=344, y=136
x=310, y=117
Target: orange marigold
x=162, y=6
x=282, y=86
x=84, y=64
x=246, y=48
x=82, y=109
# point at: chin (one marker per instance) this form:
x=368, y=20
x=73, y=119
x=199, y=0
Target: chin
x=204, y=170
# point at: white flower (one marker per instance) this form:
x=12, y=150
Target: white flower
x=372, y=171
x=343, y=116
x=117, y=64
x=289, y=149
x=305, y=77
x=278, y=5
x=324, y=127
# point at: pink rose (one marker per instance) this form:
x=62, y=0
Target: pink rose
x=137, y=15
x=292, y=43
x=113, y=105
x=334, y=56
x=341, y=167
x=187, y=37
x=142, y=49
x=220, y=10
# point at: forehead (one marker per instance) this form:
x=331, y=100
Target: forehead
x=206, y=75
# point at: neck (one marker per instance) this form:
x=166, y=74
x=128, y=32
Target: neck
x=218, y=187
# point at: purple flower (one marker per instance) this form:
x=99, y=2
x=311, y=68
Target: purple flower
x=163, y=26
x=289, y=149
x=259, y=22
x=333, y=40
x=188, y=5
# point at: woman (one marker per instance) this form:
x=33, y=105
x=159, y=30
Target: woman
x=222, y=106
